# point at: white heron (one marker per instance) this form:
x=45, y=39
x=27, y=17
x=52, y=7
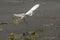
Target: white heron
x=29, y=13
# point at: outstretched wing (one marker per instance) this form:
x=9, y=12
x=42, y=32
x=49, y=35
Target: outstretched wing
x=30, y=12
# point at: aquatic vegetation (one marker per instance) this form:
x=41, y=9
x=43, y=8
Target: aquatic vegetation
x=15, y=20
x=23, y=36
x=31, y=35
x=11, y=36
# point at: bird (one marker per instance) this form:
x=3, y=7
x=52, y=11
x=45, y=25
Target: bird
x=28, y=13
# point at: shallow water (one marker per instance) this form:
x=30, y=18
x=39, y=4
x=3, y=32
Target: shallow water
x=47, y=8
